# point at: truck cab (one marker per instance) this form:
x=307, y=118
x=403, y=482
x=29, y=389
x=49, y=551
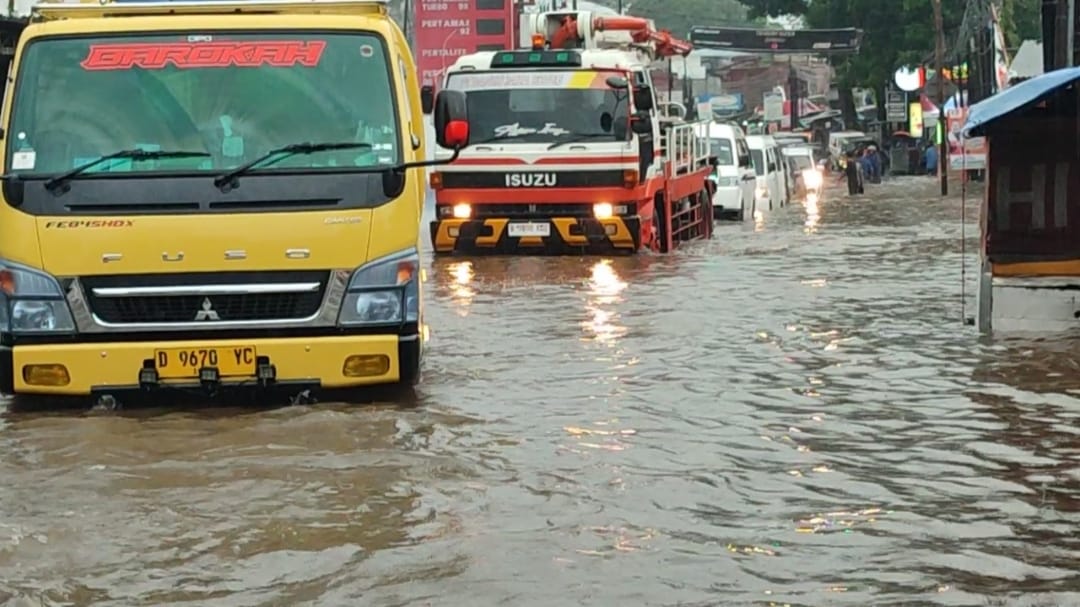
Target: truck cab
x=568, y=152
x=193, y=197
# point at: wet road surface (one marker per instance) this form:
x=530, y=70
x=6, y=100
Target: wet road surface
x=792, y=414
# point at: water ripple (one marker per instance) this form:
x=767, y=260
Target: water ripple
x=790, y=414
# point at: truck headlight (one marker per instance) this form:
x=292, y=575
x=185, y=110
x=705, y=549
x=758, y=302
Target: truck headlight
x=385, y=291
x=32, y=302
x=762, y=192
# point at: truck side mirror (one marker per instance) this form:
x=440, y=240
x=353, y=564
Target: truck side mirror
x=643, y=99
x=451, y=120
x=618, y=83
x=427, y=99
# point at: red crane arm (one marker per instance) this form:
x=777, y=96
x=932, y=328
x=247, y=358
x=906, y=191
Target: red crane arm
x=666, y=44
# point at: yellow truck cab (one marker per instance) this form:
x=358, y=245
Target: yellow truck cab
x=212, y=195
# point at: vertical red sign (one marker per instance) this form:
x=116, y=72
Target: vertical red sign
x=448, y=29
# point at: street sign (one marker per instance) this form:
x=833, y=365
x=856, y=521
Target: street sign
x=895, y=107
x=773, y=107
x=845, y=40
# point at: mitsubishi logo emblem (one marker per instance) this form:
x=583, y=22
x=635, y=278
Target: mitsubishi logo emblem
x=207, y=312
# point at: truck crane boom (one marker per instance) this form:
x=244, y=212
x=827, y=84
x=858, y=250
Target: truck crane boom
x=570, y=34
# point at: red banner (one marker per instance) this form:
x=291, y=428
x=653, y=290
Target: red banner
x=448, y=29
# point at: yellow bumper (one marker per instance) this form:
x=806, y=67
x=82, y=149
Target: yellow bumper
x=96, y=367
x=566, y=235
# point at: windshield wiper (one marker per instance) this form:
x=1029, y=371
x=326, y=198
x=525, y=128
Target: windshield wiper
x=279, y=154
x=135, y=155
x=579, y=137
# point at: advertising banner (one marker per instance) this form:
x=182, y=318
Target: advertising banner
x=964, y=153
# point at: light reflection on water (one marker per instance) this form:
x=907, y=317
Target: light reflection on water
x=787, y=414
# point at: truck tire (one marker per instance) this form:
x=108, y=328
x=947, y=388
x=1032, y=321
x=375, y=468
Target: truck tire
x=660, y=215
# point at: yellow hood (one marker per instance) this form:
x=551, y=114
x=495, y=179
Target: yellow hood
x=82, y=246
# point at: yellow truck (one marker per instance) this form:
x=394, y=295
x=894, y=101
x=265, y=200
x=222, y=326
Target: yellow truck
x=213, y=195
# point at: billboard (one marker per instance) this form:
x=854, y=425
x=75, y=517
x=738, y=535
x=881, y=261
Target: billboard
x=964, y=152
x=748, y=40
x=447, y=29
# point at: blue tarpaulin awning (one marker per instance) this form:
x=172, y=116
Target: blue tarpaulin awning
x=1017, y=97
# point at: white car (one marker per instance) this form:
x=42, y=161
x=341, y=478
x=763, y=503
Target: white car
x=772, y=192
x=810, y=177
x=734, y=176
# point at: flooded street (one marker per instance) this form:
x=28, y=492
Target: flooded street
x=792, y=413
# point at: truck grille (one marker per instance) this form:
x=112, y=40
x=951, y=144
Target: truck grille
x=206, y=298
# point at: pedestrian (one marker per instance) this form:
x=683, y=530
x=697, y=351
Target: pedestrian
x=851, y=174
x=931, y=160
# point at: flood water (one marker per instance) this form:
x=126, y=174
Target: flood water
x=791, y=414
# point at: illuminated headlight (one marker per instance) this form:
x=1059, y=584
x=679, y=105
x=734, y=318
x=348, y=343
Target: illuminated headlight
x=32, y=302
x=762, y=192
x=385, y=291
x=377, y=306
x=462, y=211
x=812, y=178
x=603, y=210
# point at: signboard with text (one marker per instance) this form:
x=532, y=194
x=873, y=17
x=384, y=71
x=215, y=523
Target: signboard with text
x=964, y=152
x=895, y=107
x=448, y=29
x=776, y=41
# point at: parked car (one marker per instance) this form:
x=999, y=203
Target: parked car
x=809, y=176
x=734, y=176
x=772, y=192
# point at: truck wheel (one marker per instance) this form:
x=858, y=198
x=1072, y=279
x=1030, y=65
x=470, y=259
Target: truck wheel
x=706, y=211
x=660, y=215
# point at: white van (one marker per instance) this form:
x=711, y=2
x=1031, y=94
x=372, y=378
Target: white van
x=771, y=183
x=734, y=176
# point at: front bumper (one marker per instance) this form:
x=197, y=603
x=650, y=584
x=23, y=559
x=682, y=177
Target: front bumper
x=115, y=367
x=567, y=235
x=727, y=199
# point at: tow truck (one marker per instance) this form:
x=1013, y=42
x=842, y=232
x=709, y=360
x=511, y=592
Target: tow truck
x=569, y=149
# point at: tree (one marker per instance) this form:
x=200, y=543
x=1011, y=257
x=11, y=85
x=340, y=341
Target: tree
x=1021, y=20
x=679, y=17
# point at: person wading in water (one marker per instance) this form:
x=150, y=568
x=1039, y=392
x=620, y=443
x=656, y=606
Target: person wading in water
x=852, y=174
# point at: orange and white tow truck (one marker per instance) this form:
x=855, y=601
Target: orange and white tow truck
x=569, y=149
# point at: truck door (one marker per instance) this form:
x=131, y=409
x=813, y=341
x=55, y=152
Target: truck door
x=10, y=30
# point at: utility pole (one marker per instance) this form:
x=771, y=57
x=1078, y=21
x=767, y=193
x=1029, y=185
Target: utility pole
x=939, y=52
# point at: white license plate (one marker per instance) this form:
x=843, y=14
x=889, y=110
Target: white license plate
x=518, y=230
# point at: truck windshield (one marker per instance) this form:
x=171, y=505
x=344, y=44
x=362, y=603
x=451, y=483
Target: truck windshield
x=538, y=106
x=231, y=95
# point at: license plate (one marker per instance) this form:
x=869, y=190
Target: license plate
x=530, y=229
x=182, y=363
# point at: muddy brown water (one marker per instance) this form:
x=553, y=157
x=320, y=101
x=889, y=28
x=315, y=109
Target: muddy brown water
x=791, y=414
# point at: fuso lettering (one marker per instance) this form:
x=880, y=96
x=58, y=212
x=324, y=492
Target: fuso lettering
x=155, y=55
x=95, y=223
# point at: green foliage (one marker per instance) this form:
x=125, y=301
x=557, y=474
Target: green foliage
x=775, y=8
x=1021, y=20
x=678, y=17
x=895, y=33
